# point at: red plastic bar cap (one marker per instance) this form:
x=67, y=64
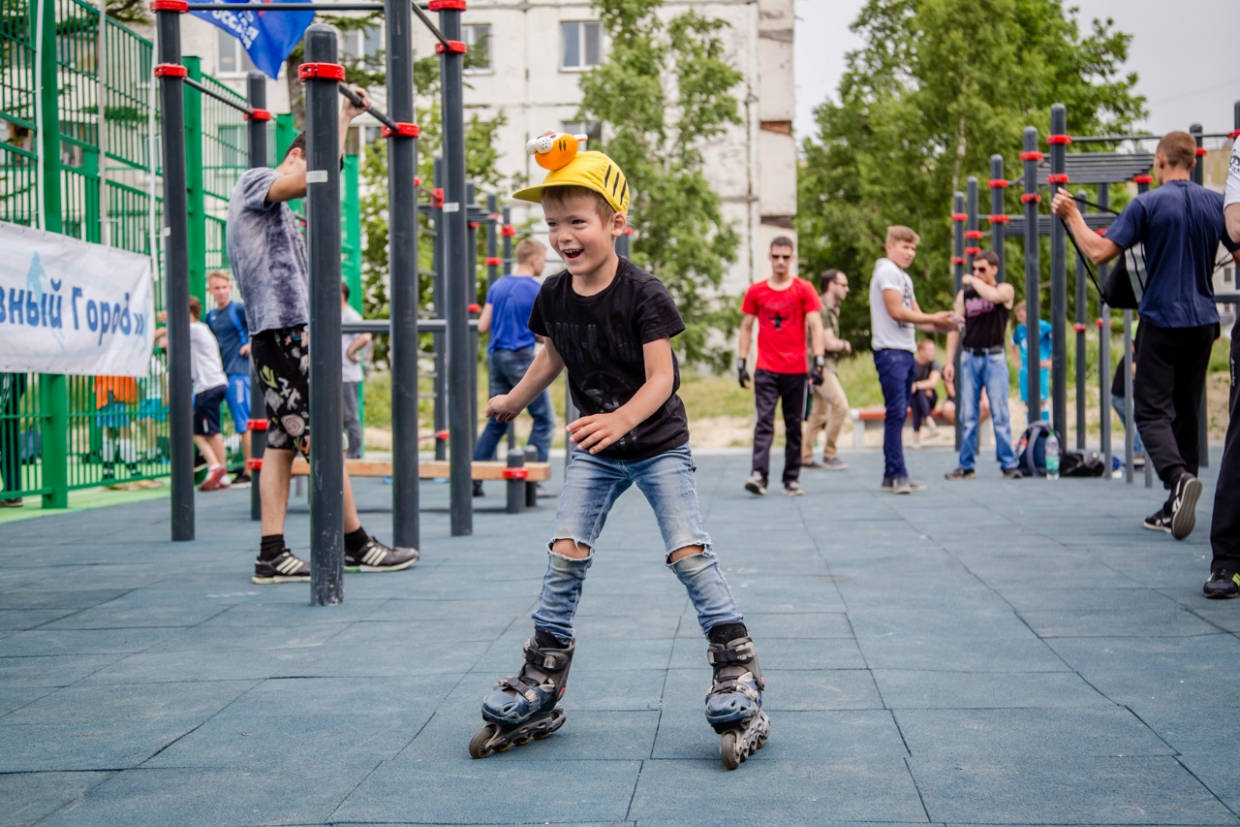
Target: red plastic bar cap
x=1059, y=139
x=1143, y=179
x=257, y=115
x=516, y=473
x=1235, y=133
x=1060, y=178
x=254, y=463
x=974, y=234
x=404, y=130
x=997, y=219
x=447, y=5
x=256, y=424
x=170, y=70
x=1201, y=150
x=960, y=216
x=508, y=230
x=1030, y=198
x=1031, y=156
x=454, y=47
x=972, y=251
x=1079, y=328
x=493, y=262
x=957, y=259
x=441, y=435
x=997, y=184
x=628, y=230
x=181, y=6
x=321, y=71
x=474, y=308
x=437, y=197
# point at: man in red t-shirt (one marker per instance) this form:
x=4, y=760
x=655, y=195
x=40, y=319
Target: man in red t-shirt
x=782, y=305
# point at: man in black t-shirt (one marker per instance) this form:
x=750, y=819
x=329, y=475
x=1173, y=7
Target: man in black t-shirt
x=610, y=324
x=984, y=304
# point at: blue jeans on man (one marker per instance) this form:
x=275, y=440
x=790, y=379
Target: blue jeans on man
x=895, y=375
x=507, y=369
x=989, y=371
x=1138, y=447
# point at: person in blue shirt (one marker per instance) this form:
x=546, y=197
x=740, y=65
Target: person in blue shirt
x=227, y=321
x=1179, y=226
x=510, y=351
x=1020, y=353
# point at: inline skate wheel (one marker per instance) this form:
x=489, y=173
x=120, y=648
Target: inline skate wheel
x=729, y=751
x=478, y=744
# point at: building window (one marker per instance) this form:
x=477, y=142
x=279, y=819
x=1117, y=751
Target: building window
x=362, y=44
x=581, y=45
x=478, y=37
x=593, y=130
x=232, y=59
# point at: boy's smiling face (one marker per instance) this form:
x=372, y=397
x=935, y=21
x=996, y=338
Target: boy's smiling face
x=578, y=233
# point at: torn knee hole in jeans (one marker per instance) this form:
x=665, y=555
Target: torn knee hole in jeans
x=578, y=545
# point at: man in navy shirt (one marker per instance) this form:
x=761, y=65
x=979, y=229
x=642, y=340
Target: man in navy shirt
x=1179, y=226
x=227, y=321
x=506, y=317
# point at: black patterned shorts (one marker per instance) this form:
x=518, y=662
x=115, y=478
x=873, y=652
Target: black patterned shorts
x=283, y=362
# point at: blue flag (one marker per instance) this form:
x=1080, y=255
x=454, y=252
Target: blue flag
x=268, y=36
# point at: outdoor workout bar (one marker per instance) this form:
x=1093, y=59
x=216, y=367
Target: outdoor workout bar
x=258, y=118
x=959, y=219
x=1058, y=141
x=1030, y=198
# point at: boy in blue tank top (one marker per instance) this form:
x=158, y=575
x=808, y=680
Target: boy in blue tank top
x=510, y=352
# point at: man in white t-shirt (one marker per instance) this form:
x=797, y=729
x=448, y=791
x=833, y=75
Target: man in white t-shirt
x=895, y=319
x=1224, y=579
x=210, y=385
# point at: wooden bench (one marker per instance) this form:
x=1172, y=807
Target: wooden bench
x=862, y=416
x=432, y=469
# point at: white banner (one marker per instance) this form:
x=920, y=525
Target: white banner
x=68, y=306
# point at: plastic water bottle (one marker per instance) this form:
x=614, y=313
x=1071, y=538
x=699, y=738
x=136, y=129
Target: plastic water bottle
x=1052, y=456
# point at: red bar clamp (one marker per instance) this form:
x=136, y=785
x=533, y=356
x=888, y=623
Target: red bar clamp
x=257, y=115
x=997, y=219
x=493, y=262
x=1059, y=139
x=441, y=435
x=1079, y=328
x=181, y=6
x=446, y=5
x=960, y=216
x=957, y=260
x=321, y=71
x=972, y=251
x=454, y=47
x=170, y=70
x=1235, y=133
x=1143, y=179
x=508, y=230
x=1031, y=156
x=1030, y=198
x=254, y=464
x=404, y=130
x=474, y=308
x=516, y=473
x=628, y=230
x=256, y=424
x=974, y=234
x=1057, y=178
x=437, y=197
x=997, y=184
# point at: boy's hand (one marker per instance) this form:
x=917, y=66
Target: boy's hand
x=597, y=431
x=353, y=111
x=501, y=410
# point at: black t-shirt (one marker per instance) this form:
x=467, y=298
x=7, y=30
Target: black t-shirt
x=984, y=321
x=922, y=372
x=600, y=339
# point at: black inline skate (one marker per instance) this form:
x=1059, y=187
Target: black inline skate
x=734, y=702
x=524, y=707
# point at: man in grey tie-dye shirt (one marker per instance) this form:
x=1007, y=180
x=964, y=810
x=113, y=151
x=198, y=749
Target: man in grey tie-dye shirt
x=268, y=258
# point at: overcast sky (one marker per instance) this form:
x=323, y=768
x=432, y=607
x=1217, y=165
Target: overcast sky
x=1187, y=55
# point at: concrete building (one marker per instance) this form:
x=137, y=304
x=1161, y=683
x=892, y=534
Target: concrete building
x=530, y=55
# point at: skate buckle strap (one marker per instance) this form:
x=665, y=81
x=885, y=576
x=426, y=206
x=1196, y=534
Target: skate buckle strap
x=739, y=685
x=520, y=687
x=548, y=661
x=740, y=650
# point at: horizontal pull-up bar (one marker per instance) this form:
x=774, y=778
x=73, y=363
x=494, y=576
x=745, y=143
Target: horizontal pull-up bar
x=382, y=327
x=378, y=114
x=240, y=106
x=418, y=8
x=1106, y=139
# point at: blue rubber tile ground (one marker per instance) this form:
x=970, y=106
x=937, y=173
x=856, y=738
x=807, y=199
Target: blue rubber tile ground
x=985, y=652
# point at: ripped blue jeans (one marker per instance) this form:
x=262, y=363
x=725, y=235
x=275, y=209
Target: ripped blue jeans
x=591, y=486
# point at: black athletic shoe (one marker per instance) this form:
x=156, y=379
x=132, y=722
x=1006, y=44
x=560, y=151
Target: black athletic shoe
x=1013, y=474
x=755, y=484
x=283, y=569
x=1183, y=506
x=242, y=480
x=1222, y=585
x=1160, y=520
x=375, y=556
x=888, y=486
x=478, y=492
x=961, y=474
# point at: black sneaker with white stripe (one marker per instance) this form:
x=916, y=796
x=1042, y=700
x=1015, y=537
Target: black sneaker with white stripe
x=1160, y=520
x=1183, y=506
x=283, y=569
x=375, y=556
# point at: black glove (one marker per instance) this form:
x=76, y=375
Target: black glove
x=742, y=374
x=815, y=375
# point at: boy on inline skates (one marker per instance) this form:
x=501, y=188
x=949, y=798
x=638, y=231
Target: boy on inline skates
x=610, y=324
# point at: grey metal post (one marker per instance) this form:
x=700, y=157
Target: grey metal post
x=531, y=487
x=1082, y=306
x=1059, y=277
x=1130, y=425
x=1033, y=328
x=508, y=232
x=1203, y=413
x=438, y=338
x=471, y=247
x=998, y=215
x=624, y=244
x=176, y=272
x=1104, y=354
x=256, y=96
x=403, y=274
x=323, y=236
x=515, y=484
x=457, y=278
x=972, y=246
x=493, y=261
x=958, y=262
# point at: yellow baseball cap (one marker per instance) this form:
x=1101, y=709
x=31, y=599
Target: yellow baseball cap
x=592, y=170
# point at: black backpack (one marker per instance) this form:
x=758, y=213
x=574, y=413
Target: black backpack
x=1075, y=464
x=1031, y=449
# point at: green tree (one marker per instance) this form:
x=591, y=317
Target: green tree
x=937, y=87
x=663, y=92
